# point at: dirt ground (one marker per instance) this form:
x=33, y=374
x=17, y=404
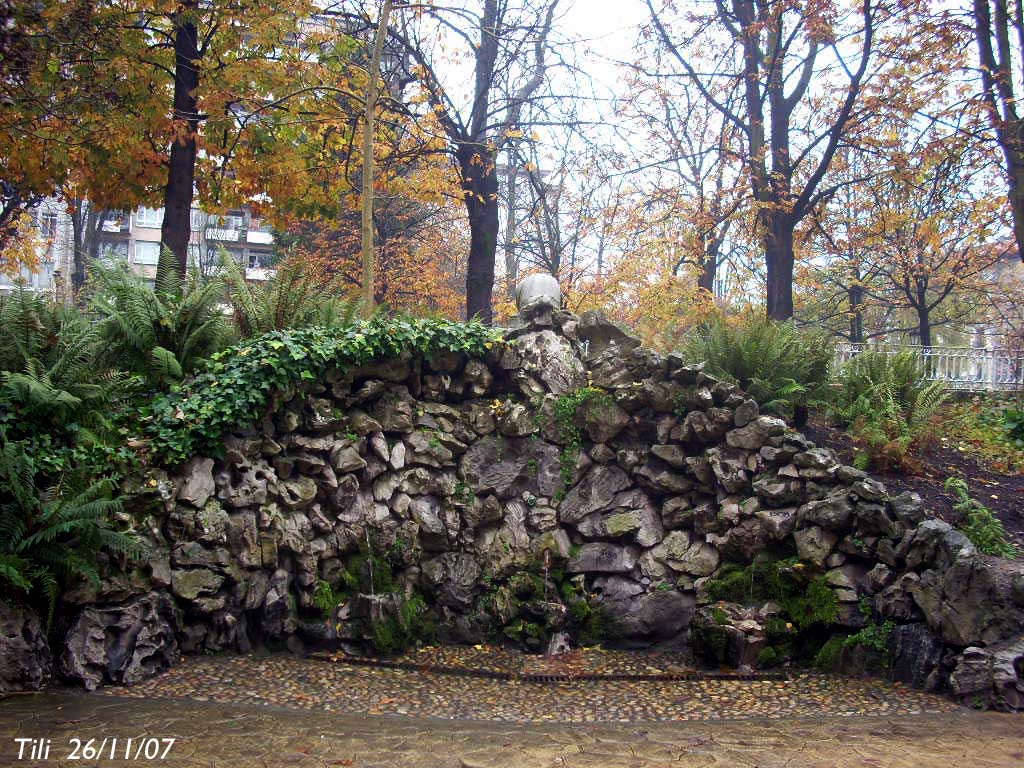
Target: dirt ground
x=1002, y=493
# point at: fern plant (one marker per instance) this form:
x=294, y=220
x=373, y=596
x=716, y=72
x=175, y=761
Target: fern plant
x=50, y=536
x=51, y=376
x=161, y=333
x=980, y=525
x=889, y=405
x=291, y=299
x=783, y=368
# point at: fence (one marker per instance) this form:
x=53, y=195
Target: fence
x=964, y=368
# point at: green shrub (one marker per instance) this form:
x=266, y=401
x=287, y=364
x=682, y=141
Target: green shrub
x=806, y=599
x=985, y=430
x=291, y=299
x=768, y=657
x=980, y=525
x=568, y=415
x=58, y=399
x=412, y=624
x=1013, y=423
x=784, y=369
x=873, y=636
x=49, y=536
x=161, y=333
x=325, y=598
x=889, y=405
x=828, y=657
x=235, y=388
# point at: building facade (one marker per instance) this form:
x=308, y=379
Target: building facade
x=133, y=238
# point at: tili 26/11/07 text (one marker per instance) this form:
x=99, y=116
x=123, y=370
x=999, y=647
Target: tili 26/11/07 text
x=110, y=748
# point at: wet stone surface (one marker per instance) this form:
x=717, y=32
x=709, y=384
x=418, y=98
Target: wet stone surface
x=288, y=681
x=211, y=735
x=499, y=660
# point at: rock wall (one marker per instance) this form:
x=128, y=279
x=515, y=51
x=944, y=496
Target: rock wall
x=571, y=484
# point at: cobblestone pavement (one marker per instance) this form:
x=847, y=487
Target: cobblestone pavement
x=290, y=681
x=211, y=735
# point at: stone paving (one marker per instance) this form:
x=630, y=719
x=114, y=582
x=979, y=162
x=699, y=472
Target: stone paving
x=210, y=735
x=289, y=681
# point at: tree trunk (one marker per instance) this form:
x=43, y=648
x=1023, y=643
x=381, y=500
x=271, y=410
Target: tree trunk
x=924, y=327
x=1015, y=193
x=855, y=296
x=368, y=128
x=709, y=266
x=480, y=190
x=778, y=253
x=176, y=229
x=78, y=226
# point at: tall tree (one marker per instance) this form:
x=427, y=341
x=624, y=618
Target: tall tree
x=176, y=228
x=999, y=32
x=929, y=236
x=508, y=46
x=370, y=117
x=803, y=70
x=688, y=168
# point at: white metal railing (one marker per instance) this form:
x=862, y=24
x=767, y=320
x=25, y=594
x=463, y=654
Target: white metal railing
x=965, y=368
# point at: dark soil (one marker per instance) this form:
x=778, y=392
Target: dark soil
x=1002, y=493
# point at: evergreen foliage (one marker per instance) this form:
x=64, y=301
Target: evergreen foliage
x=237, y=383
x=161, y=333
x=783, y=368
x=980, y=525
x=889, y=405
x=48, y=536
x=291, y=299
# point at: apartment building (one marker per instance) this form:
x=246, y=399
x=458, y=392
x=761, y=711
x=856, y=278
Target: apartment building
x=133, y=238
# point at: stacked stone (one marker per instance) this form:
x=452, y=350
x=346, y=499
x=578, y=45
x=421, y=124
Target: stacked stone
x=463, y=467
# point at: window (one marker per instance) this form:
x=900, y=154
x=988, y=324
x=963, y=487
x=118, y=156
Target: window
x=48, y=225
x=231, y=221
x=197, y=219
x=147, y=253
x=113, y=221
x=149, y=217
x=112, y=252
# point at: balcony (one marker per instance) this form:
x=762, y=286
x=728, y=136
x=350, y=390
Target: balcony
x=116, y=223
x=259, y=274
x=259, y=237
x=223, y=234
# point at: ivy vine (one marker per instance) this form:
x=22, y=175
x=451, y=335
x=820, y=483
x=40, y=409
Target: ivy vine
x=234, y=389
x=566, y=415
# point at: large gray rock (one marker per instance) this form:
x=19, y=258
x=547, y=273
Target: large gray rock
x=602, y=418
x=508, y=466
x=978, y=600
x=600, y=333
x=541, y=362
x=814, y=544
x=917, y=657
x=123, y=643
x=991, y=676
x=197, y=482
x=25, y=663
x=937, y=543
x=630, y=515
x=594, y=493
x=834, y=512
x=452, y=578
x=656, y=615
x=603, y=557
x=755, y=433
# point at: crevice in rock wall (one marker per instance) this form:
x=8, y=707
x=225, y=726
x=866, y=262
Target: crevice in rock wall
x=572, y=484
